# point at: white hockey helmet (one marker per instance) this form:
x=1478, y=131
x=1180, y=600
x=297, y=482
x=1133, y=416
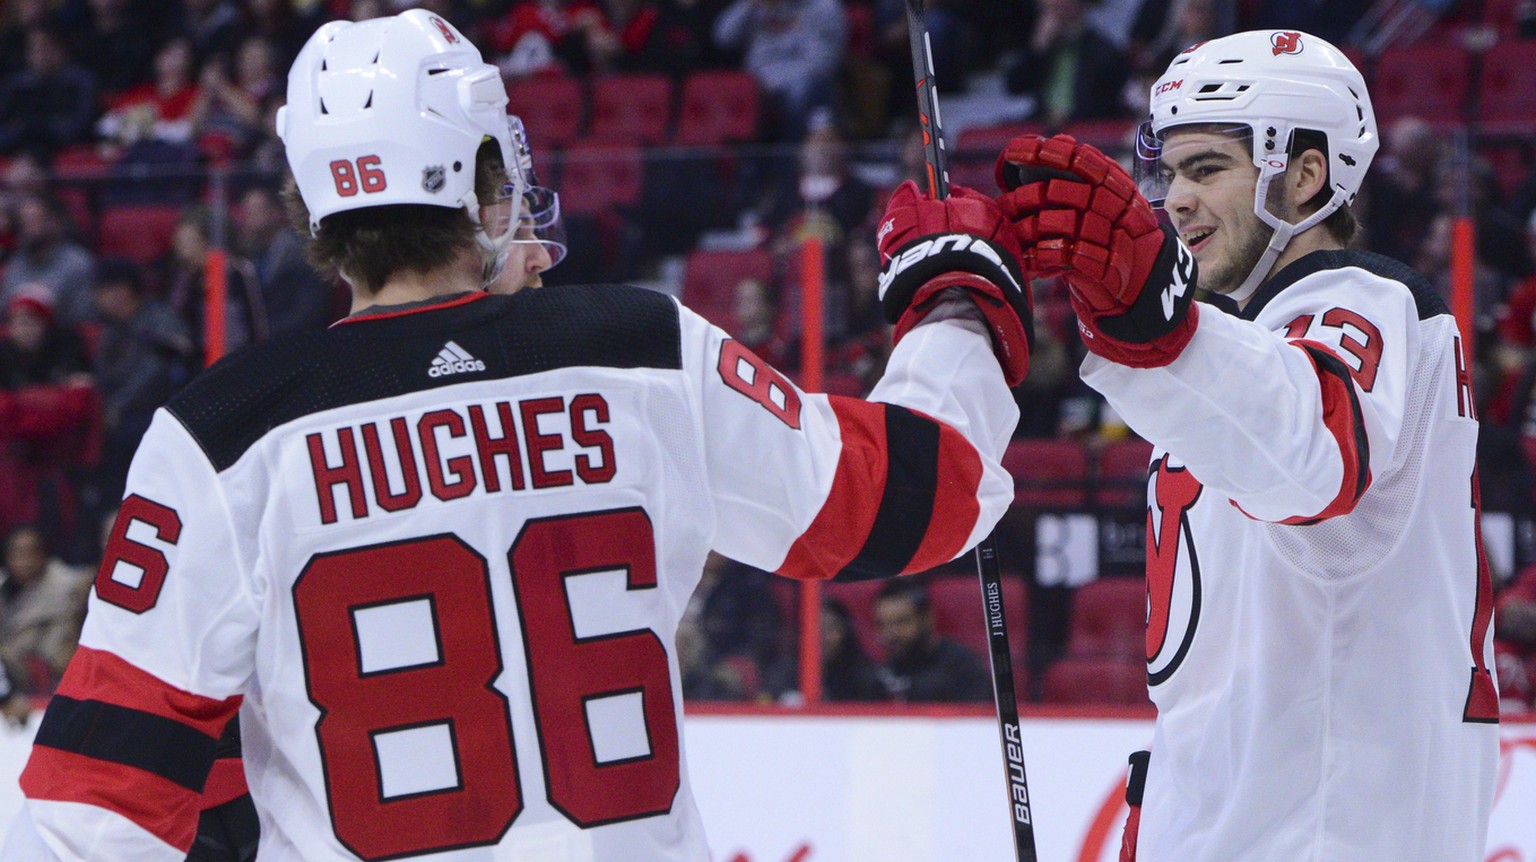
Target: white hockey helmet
x=394, y=111
x=1273, y=82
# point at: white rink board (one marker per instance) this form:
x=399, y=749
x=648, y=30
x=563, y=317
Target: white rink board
x=900, y=789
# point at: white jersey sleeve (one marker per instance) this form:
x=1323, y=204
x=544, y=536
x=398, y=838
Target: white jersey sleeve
x=813, y=486
x=146, y=697
x=1291, y=415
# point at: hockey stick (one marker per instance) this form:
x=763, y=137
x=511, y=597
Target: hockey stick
x=986, y=552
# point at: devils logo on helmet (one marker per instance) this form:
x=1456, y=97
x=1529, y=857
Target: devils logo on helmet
x=1286, y=42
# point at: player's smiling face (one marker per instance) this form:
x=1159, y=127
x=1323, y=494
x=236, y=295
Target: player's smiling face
x=1210, y=199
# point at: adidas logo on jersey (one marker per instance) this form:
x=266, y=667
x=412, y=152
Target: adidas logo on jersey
x=453, y=359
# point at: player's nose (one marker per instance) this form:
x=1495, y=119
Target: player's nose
x=539, y=260
x=1181, y=197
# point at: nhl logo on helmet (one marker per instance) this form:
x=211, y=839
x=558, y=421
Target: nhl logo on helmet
x=1286, y=42
x=433, y=178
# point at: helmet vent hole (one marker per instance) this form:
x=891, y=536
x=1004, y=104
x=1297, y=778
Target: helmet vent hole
x=1174, y=109
x=323, y=109
x=323, y=66
x=369, y=103
x=1242, y=88
x=1210, y=88
x=1230, y=62
x=436, y=71
x=375, y=59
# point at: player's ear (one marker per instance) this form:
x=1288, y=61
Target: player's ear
x=1307, y=176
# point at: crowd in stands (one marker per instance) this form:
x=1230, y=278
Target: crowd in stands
x=697, y=145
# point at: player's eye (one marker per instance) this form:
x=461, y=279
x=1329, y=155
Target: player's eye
x=1203, y=172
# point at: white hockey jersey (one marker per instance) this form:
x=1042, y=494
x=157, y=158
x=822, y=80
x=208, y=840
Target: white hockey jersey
x=1318, y=640
x=437, y=558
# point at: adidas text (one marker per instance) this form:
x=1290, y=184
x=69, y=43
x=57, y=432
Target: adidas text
x=453, y=359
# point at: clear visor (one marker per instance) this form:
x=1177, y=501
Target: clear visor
x=538, y=220
x=1204, y=154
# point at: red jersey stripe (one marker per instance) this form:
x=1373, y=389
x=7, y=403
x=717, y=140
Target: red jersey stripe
x=163, y=808
x=839, y=530
x=99, y=675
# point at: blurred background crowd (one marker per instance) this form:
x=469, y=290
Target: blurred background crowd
x=697, y=146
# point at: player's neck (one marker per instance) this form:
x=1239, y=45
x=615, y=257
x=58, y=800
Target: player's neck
x=407, y=286
x=1316, y=239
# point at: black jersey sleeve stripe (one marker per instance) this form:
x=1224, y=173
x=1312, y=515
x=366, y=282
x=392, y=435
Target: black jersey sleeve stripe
x=119, y=734
x=906, y=506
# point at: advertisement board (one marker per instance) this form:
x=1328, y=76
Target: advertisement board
x=879, y=786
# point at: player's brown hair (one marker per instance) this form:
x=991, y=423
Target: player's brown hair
x=366, y=246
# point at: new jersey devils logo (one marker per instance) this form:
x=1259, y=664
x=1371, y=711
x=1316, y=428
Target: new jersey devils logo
x=1173, y=571
x=447, y=31
x=1286, y=42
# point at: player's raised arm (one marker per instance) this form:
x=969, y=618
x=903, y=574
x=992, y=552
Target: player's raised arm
x=817, y=486
x=119, y=762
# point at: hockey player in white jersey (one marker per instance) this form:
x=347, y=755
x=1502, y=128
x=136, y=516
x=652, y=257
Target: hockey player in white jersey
x=1318, y=640
x=435, y=556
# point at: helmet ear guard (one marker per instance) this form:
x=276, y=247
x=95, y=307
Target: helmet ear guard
x=1273, y=84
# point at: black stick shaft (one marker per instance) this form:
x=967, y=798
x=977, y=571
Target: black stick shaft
x=1020, y=810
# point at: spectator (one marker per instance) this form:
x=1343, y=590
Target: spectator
x=34, y=351
x=950, y=32
x=245, y=319
x=118, y=44
x=44, y=255
x=756, y=324
x=919, y=665
x=847, y=672
x=42, y=604
x=1515, y=643
x=229, y=106
x=142, y=358
x=160, y=110
x=48, y=105
x=49, y=416
x=1401, y=189
x=550, y=36
x=793, y=48
x=212, y=25
x=293, y=296
x=647, y=36
x=1073, y=71
x=738, y=616
x=823, y=184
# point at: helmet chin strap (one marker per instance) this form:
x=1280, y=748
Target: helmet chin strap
x=1284, y=232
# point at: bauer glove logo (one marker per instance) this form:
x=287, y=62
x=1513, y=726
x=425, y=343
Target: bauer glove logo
x=992, y=269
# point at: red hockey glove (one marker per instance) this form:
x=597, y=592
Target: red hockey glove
x=1132, y=281
x=929, y=246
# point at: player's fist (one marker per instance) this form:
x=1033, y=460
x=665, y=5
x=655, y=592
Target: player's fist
x=1078, y=214
x=963, y=242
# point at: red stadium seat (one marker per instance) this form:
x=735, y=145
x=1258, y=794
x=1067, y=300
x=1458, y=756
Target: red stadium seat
x=957, y=610
x=80, y=162
x=598, y=178
x=1048, y=473
x=710, y=279
x=718, y=108
x=1123, y=474
x=1109, y=619
x=552, y=109
x=631, y=109
x=1506, y=96
x=1096, y=681
x=1426, y=80
x=139, y=233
